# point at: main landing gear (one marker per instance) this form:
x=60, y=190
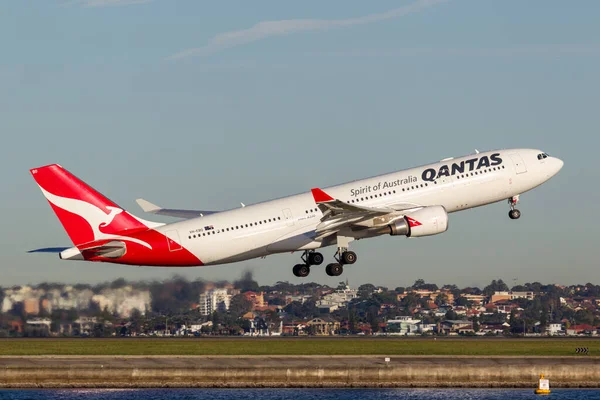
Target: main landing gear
x=342, y=256
x=514, y=213
x=309, y=258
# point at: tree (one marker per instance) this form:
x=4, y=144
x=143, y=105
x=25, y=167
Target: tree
x=272, y=319
x=105, y=315
x=516, y=324
x=373, y=320
x=137, y=320
x=534, y=287
x=365, y=290
x=118, y=283
x=495, y=318
x=409, y=301
x=543, y=319
x=471, y=290
x=420, y=284
x=451, y=315
x=216, y=319
x=495, y=286
x=175, y=296
x=441, y=299
x=352, y=321
x=384, y=297
x=239, y=305
x=462, y=301
x=584, y=317
x=475, y=323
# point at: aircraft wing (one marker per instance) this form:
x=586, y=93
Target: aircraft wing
x=338, y=214
x=171, y=212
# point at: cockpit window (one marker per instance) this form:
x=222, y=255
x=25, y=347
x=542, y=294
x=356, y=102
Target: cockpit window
x=541, y=156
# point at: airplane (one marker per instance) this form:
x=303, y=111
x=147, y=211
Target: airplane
x=412, y=203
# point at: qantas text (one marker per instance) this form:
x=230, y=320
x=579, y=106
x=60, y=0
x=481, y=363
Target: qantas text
x=431, y=174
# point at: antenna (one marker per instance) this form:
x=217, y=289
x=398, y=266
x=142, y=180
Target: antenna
x=476, y=151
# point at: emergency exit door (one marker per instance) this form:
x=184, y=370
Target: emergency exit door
x=173, y=240
x=519, y=164
x=287, y=215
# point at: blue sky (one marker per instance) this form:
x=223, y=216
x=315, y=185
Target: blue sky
x=207, y=104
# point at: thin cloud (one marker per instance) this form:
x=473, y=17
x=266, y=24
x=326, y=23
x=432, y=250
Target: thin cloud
x=267, y=29
x=108, y=3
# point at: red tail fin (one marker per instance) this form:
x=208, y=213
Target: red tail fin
x=85, y=214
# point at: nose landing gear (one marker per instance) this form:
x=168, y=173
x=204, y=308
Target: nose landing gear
x=514, y=213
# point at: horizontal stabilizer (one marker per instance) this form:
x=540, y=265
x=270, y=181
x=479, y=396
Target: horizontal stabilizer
x=171, y=212
x=49, y=250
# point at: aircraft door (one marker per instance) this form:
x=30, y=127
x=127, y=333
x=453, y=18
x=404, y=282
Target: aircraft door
x=287, y=215
x=519, y=164
x=173, y=240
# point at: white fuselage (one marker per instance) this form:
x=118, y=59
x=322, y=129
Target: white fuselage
x=288, y=224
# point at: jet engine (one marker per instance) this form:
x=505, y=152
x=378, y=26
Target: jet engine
x=423, y=222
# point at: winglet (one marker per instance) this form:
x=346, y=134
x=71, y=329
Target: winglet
x=320, y=196
x=147, y=206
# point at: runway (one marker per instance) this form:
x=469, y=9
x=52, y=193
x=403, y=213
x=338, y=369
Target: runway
x=296, y=371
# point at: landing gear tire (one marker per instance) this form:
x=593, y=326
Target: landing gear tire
x=348, y=257
x=315, y=258
x=514, y=213
x=301, y=270
x=334, y=269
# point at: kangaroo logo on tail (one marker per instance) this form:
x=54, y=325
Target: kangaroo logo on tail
x=94, y=216
x=86, y=215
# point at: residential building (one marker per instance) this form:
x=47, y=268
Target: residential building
x=474, y=298
x=323, y=326
x=339, y=298
x=214, y=300
x=454, y=327
x=503, y=296
x=403, y=325
x=554, y=329
x=299, y=298
x=582, y=329
x=257, y=299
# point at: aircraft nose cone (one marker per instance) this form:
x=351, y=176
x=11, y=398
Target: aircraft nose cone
x=557, y=165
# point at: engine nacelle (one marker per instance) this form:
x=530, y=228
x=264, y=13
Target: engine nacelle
x=424, y=222
x=428, y=221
